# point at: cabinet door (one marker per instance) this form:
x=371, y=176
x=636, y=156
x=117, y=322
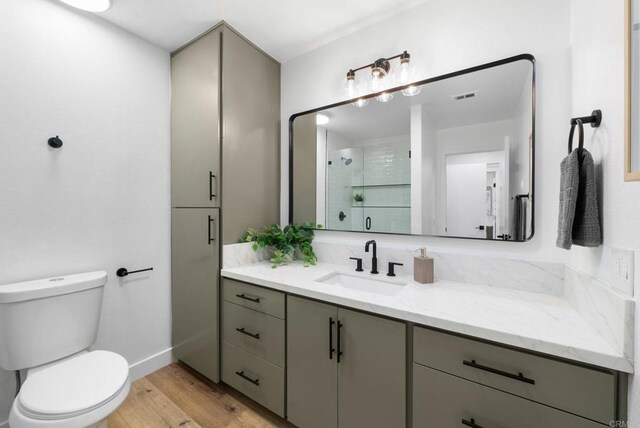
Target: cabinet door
x=251, y=137
x=195, y=142
x=372, y=371
x=194, y=266
x=311, y=366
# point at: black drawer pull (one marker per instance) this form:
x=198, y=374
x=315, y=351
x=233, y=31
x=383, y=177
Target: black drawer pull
x=472, y=423
x=212, y=193
x=518, y=376
x=255, y=381
x=243, y=331
x=340, y=325
x=251, y=299
x=331, y=348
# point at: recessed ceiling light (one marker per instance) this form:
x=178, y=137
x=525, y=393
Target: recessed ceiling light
x=89, y=5
x=322, y=119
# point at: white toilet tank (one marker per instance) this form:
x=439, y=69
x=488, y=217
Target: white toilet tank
x=47, y=319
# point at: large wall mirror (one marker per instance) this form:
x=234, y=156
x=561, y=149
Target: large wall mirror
x=632, y=144
x=454, y=160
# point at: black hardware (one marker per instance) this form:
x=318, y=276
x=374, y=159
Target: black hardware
x=251, y=299
x=340, y=325
x=358, y=264
x=342, y=216
x=243, y=331
x=519, y=376
x=392, y=265
x=55, y=142
x=255, y=381
x=471, y=423
x=211, y=220
x=211, y=186
x=367, y=223
x=374, y=259
x=331, y=348
x=481, y=227
x=122, y=272
x=580, y=134
x=595, y=119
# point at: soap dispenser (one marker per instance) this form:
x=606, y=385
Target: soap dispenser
x=423, y=267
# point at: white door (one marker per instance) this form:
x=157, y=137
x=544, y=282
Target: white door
x=466, y=199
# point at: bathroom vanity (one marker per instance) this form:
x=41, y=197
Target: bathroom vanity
x=326, y=346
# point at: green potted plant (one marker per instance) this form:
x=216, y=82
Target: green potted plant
x=359, y=198
x=285, y=241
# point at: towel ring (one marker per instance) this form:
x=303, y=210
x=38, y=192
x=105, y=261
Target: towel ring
x=580, y=135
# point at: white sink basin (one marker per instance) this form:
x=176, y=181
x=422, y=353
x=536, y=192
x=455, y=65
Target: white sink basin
x=363, y=282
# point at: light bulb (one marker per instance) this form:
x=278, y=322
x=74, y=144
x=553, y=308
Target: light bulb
x=411, y=90
x=350, y=86
x=385, y=97
x=404, y=73
x=360, y=102
x=322, y=119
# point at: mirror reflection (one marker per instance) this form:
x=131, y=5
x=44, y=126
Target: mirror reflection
x=454, y=160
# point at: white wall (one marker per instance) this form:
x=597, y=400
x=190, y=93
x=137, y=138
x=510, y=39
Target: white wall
x=444, y=36
x=102, y=200
x=597, y=37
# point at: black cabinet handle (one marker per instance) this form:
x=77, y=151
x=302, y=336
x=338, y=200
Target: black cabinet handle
x=518, y=376
x=251, y=299
x=358, y=263
x=212, y=221
x=243, y=331
x=211, y=186
x=471, y=423
x=367, y=223
x=331, y=348
x=255, y=381
x=340, y=325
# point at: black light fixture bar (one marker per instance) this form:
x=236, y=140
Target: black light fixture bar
x=383, y=62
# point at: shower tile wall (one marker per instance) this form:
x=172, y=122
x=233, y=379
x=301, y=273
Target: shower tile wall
x=382, y=173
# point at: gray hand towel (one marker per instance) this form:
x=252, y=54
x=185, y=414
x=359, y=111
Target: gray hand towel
x=578, y=218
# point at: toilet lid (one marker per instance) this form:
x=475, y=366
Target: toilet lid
x=74, y=386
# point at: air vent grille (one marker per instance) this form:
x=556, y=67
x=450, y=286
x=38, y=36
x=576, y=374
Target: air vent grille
x=466, y=96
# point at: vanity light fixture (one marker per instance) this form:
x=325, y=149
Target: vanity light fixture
x=89, y=5
x=382, y=78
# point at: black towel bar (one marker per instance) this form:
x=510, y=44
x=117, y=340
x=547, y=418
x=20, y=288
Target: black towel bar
x=595, y=119
x=122, y=272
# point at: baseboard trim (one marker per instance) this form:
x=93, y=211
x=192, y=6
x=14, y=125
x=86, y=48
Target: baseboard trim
x=147, y=366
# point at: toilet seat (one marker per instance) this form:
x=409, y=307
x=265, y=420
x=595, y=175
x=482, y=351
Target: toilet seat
x=74, y=386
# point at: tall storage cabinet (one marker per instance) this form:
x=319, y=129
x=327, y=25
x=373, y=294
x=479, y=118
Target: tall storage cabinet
x=225, y=111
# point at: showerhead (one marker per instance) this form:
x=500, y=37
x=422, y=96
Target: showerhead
x=347, y=161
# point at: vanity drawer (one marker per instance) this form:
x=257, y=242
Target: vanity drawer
x=250, y=296
x=255, y=332
x=259, y=380
x=443, y=400
x=586, y=392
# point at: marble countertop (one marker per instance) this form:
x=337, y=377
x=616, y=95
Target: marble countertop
x=538, y=322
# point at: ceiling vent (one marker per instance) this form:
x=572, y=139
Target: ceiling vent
x=465, y=96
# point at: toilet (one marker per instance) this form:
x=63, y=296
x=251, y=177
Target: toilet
x=46, y=328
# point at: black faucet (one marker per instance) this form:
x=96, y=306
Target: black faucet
x=374, y=259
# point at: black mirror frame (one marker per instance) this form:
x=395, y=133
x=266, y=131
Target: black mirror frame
x=521, y=57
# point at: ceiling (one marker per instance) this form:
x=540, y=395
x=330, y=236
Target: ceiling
x=282, y=28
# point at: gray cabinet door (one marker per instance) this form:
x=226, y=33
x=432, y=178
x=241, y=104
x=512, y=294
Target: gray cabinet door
x=312, y=399
x=195, y=142
x=194, y=277
x=372, y=371
x=251, y=137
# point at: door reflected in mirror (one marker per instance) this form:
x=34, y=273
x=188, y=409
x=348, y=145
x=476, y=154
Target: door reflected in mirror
x=454, y=160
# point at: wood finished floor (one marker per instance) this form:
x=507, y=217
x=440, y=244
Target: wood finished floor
x=175, y=396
